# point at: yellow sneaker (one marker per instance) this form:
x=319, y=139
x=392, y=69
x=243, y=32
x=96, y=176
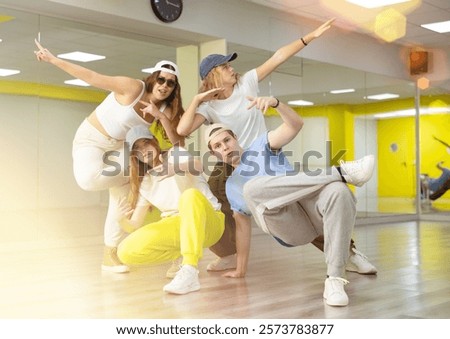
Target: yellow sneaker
x=111, y=262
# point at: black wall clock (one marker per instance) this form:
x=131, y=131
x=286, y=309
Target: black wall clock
x=167, y=10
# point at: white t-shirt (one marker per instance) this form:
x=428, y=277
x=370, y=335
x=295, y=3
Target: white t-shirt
x=166, y=193
x=247, y=124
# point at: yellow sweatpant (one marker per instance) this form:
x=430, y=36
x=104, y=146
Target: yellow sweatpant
x=197, y=226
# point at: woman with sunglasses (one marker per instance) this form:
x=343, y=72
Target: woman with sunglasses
x=98, y=146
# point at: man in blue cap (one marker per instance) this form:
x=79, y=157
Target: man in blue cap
x=222, y=98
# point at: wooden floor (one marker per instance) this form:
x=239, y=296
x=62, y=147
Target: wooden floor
x=285, y=283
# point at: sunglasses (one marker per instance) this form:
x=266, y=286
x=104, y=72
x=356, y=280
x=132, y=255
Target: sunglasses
x=170, y=83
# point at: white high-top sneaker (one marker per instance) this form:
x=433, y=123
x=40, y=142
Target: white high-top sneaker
x=185, y=281
x=358, y=172
x=358, y=262
x=334, y=293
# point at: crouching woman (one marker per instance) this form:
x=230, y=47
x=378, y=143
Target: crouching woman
x=190, y=214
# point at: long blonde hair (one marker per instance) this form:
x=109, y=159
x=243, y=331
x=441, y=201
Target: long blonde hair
x=138, y=168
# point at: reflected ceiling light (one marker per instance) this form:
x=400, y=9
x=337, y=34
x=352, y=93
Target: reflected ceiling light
x=375, y=3
x=300, y=103
x=440, y=27
x=81, y=56
x=7, y=72
x=76, y=82
x=383, y=96
x=412, y=112
x=341, y=91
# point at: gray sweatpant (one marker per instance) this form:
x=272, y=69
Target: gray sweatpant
x=296, y=209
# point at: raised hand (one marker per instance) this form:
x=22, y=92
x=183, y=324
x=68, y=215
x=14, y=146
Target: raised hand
x=43, y=54
x=322, y=28
x=212, y=94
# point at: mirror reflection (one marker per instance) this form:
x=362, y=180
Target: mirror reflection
x=434, y=177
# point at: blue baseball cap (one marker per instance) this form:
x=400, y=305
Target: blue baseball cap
x=214, y=60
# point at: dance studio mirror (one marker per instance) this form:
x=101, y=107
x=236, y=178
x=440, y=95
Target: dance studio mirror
x=434, y=124
x=40, y=114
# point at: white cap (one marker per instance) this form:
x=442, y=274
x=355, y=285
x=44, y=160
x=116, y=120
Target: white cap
x=209, y=134
x=136, y=133
x=160, y=67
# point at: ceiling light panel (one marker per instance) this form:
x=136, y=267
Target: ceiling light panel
x=81, y=56
x=383, y=96
x=76, y=82
x=440, y=27
x=7, y=72
x=300, y=103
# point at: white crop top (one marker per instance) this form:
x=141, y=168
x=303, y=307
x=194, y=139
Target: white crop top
x=117, y=119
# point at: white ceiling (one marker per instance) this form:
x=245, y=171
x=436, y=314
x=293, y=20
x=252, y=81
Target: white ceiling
x=418, y=12
x=127, y=54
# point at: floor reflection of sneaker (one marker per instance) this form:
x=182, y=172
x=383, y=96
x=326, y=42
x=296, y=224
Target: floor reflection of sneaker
x=222, y=264
x=185, y=281
x=358, y=262
x=358, y=172
x=334, y=293
x=174, y=268
x=111, y=262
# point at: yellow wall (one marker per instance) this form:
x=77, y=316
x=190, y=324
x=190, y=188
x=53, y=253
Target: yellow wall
x=51, y=92
x=336, y=115
x=396, y=170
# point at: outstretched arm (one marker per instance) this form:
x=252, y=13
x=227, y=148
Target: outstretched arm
x=287, y=51
x=119, y=84
x=292, y=122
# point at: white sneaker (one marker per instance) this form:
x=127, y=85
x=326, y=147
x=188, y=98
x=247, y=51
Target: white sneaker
x=174, y=268
x=334, y=293
x=358, y=172
x=358, y=262
x=185, y=281
x=222, y=264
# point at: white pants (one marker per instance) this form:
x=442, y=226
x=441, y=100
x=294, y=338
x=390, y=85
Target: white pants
x=98, y=164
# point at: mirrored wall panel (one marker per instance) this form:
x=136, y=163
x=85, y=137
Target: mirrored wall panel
x=434, y=107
